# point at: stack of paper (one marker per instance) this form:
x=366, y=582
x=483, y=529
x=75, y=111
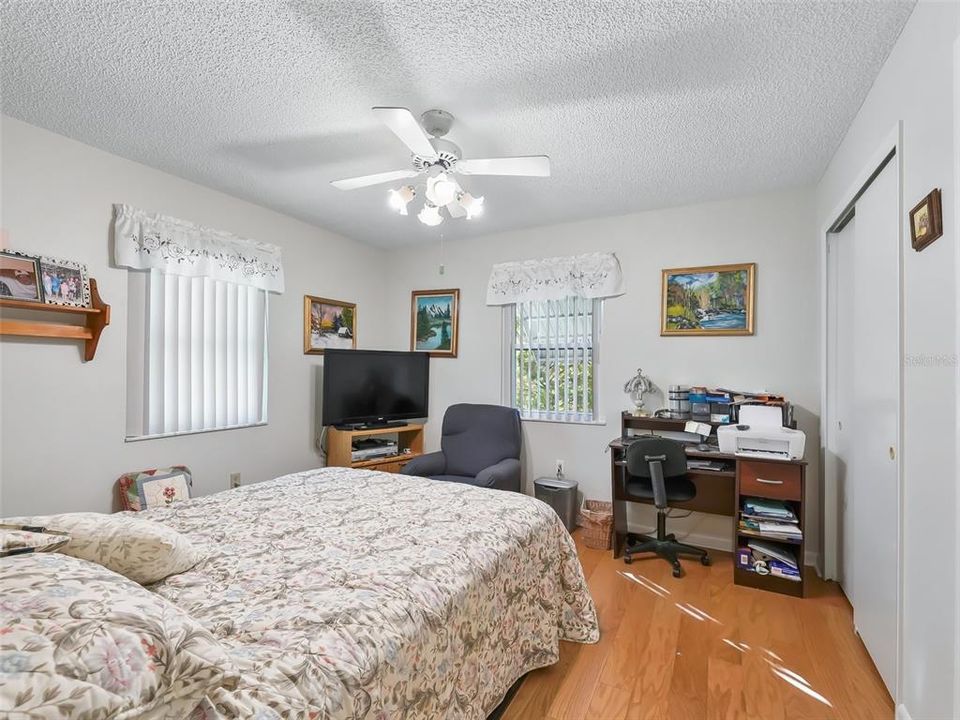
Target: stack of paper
x=770, y=518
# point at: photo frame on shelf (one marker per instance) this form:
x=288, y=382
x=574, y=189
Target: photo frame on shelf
x=708, y=300
x=64, y=282
x=435, y=321
x=328, y=324
x=20, y=277
x=926, y=221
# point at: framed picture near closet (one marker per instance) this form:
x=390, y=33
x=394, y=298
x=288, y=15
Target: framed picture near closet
x=708, y=300
x=926, y=221
x=435, y=321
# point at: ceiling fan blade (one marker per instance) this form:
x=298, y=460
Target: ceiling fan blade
x=528, y=165
x=366, y=180
x=406, y=127
x=455, y=209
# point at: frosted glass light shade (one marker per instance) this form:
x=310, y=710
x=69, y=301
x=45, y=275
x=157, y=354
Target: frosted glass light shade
x=430, y=215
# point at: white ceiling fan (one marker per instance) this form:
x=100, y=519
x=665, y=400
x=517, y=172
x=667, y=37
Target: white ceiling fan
x=438, y=160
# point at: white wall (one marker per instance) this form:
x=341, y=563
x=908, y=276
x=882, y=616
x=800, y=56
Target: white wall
x=915, y=87
x=62, y=420
x=773, y=231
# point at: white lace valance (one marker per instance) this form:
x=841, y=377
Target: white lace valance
x=147, y=241
x=595, y=275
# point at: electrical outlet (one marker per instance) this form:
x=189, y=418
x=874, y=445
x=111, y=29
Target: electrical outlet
x=234, y=480
x=559, y=468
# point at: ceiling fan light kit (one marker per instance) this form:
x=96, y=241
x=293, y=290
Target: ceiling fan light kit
x=439, y=159
x=400, y=198
x=430, y=215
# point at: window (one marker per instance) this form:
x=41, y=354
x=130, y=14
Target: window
x=552, y=358
x=197, y=354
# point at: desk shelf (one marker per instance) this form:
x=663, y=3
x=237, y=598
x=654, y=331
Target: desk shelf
x=95, y=319
x=770, y=583
x=787, y=483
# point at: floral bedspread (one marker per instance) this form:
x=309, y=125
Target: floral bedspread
x=344, y=593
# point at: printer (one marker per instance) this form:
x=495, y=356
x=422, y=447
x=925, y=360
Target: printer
x=761, y=434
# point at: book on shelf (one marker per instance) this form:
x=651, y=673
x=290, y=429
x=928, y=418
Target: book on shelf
x=773, y=530
x=775, y=552
x=771, y=509
x=762, y=563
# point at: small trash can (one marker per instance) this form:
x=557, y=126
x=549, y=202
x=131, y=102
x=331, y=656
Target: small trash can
x=561, y=495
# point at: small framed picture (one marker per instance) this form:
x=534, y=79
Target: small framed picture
x=926, y=221
x=328, y=324
x=64, y=282
x=435, y=321
x=20, y=277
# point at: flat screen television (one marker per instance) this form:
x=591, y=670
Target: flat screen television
x=374, y=387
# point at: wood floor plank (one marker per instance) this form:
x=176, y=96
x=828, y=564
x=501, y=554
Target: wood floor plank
x=701, y=647
x=608, y=703
x=724, y=691
x=572, y=700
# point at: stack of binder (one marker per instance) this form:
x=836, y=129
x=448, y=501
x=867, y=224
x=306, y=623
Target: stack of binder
x=768, y=559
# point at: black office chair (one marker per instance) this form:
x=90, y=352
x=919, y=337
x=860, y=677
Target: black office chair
x=657, y=470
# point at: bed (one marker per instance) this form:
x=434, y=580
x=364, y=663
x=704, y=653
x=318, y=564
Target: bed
x=342, y=593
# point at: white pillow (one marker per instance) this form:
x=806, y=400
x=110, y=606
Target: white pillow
x=142, y=550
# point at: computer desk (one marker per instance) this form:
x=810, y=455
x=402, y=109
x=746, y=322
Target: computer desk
x=718, y=493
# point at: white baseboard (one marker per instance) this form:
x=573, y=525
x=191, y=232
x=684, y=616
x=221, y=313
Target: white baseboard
x=717, y=542
x=902, y=713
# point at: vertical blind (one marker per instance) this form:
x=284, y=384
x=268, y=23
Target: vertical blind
x=552, y=358
x=205, y=355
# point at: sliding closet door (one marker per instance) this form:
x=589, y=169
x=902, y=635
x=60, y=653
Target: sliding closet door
x=864, y=392
x=841, y=392
x=876, y=388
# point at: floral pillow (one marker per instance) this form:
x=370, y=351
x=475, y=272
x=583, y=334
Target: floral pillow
x=154, y=488
x=80, y=641
x=142, y=550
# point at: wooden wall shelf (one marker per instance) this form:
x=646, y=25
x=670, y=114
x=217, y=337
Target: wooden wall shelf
x=95, y=319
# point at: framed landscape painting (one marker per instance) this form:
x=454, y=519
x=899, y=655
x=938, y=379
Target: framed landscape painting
x=328, y=324
x=434, y=321
x=709, y=300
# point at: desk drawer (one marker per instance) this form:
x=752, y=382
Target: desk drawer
x=769, y=479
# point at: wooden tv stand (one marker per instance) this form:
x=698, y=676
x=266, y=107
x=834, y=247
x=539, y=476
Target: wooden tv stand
x=340, y=447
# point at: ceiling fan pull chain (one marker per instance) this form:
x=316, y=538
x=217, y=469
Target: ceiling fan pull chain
x=442, y=268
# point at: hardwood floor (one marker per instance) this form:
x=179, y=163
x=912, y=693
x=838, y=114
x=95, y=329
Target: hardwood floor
x=701, y=647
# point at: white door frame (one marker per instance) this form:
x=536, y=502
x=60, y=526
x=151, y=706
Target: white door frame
x=830, y=550
x=956, y=218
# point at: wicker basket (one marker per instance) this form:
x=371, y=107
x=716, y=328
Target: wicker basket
x=596, y=519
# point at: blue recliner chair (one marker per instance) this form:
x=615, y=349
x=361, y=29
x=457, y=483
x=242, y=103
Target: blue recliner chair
x=480, y=445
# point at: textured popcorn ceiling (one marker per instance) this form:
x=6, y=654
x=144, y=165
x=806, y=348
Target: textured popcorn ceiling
x=638, y=104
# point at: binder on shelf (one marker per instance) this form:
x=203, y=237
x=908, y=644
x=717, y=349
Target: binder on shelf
x=775, y=552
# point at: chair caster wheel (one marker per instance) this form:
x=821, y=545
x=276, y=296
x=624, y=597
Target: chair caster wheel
x=677, y=572
x=627, y=559
x=705, y=560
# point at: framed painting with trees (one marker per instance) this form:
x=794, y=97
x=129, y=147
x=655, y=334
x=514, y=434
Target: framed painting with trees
x=328, y=324
x=435, y=322
x=709, y=300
